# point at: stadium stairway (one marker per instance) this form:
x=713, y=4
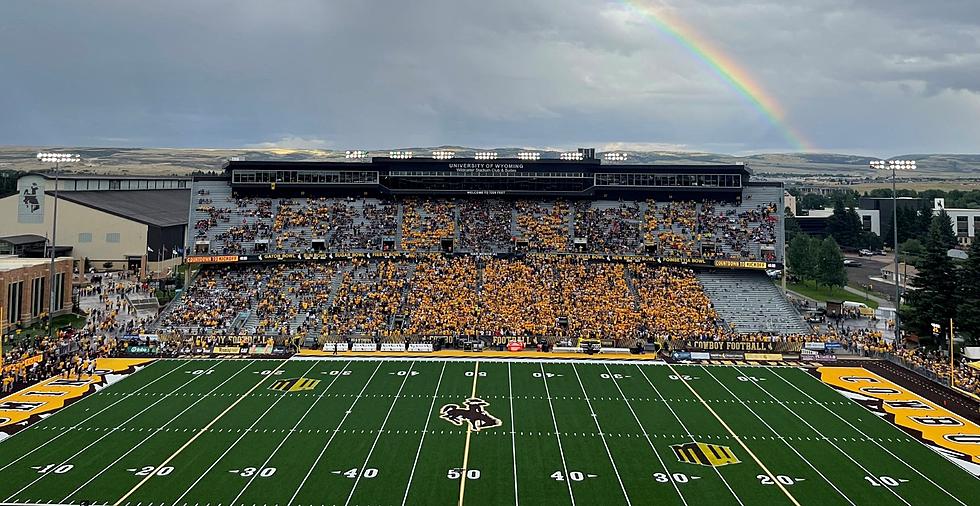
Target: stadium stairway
x=752, y=302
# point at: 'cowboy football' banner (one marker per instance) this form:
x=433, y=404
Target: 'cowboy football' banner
x=30, y=205
x=751, y=346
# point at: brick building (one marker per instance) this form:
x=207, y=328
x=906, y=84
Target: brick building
x=24, y=294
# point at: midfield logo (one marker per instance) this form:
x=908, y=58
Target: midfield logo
x=473, y=414
x=705, y=454
x=294, y=384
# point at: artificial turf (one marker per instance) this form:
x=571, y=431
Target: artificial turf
x=369, y=432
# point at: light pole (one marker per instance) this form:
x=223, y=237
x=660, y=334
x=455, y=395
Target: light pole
x=57, y=159
x=895, y=165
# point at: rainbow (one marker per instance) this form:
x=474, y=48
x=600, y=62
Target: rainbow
x=723, y=66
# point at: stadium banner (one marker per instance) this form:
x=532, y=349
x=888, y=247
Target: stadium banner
x=832, y=346
x=567, y=349
x=420, y=347
x=340, y=255
x=392, y=346
x=614, y=350
x=726, y=356
x=681, y=355
x=141, y=350
x=700, y=355
x=825, y=357
x=225, y=350
x=814, y=345
x=261, y=350
x=766, y=357
x=27, y=362
x=213, y=259
x=746, y=346
x=515, y=346
x=334, y=346
x=363, y=347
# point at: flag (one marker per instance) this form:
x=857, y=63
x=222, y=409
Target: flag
x=149, y=249
x=174, y=252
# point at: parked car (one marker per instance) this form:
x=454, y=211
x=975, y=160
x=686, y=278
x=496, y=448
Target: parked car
x=865, y=253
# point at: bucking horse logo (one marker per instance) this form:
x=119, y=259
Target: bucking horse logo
x=473, y=413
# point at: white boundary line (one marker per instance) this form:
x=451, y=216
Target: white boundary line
x=476, y=358
x=790, y=446
x=602, y=436
x=107, y=434
x=646, y=436
x=425, y=430
x=408, y=374
x=123, y=398
x=875, y=441
x=513, y=431
x=204, y=430
x=466, y=449
x=251, y=479
x=333, y=434
x=688, y=432
x=554, y=420
x=738, y=438
x=155, y=432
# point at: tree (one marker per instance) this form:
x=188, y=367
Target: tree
x=968, y=310
x=934, y=298
x=830, y=264
x=912, y=247
x=845, y=226
x=801, y=258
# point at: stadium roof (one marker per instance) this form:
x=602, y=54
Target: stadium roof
x=17, y=240
x=161, y=208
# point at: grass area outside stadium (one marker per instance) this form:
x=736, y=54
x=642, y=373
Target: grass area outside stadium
x=369, y=431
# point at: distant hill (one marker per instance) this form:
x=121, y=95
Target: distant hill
x=161, y=161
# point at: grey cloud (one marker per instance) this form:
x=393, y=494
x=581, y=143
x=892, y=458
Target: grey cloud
x=546, y=73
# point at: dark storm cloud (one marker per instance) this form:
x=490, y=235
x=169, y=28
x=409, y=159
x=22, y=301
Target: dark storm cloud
x=865, y=75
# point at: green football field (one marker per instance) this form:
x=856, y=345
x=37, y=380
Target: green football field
x=369, y=432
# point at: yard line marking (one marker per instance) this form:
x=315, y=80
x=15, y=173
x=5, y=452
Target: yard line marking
x=132, y=449
x=595, y=419
x=469, y=431
x=737, y=438
x=686, y=430
x=394, y=401
x=425, y=430
x=513, y=444
x=913, y=468
x=640, y=425
x=554, y=420
x=334, y=433
x=93, y=415
x=273, y=454
x=107, y=434
x=791, y=447
x=199, y=433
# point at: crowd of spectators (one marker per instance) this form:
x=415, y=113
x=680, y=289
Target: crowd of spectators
x=965, y=377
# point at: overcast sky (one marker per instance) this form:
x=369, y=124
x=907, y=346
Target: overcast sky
x=877, y=77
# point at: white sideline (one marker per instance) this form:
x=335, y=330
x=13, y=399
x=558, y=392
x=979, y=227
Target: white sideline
x=333, y=434
x=688, y=431
x=273, y=454
x=602, y=436
x=123, y=398
x=425, y=430
x=645, y=435
x=155, y=432
x=394, y=401
x=202, y=431
x=107, y=434
x=554, y=420
x=791, y=447
x=859, y=431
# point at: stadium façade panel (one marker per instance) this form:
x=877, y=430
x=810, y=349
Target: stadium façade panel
x=469, y=176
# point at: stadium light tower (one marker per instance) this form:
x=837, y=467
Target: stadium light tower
x=616, y=157
x=355, y=155
x=443, y=154
x=401, y=155
x=57, y=159
x=485, y=155
x=571, y=155
x=895, y=165
x=529, y=155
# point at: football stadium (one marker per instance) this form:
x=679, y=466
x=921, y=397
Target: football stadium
x=484, y=330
